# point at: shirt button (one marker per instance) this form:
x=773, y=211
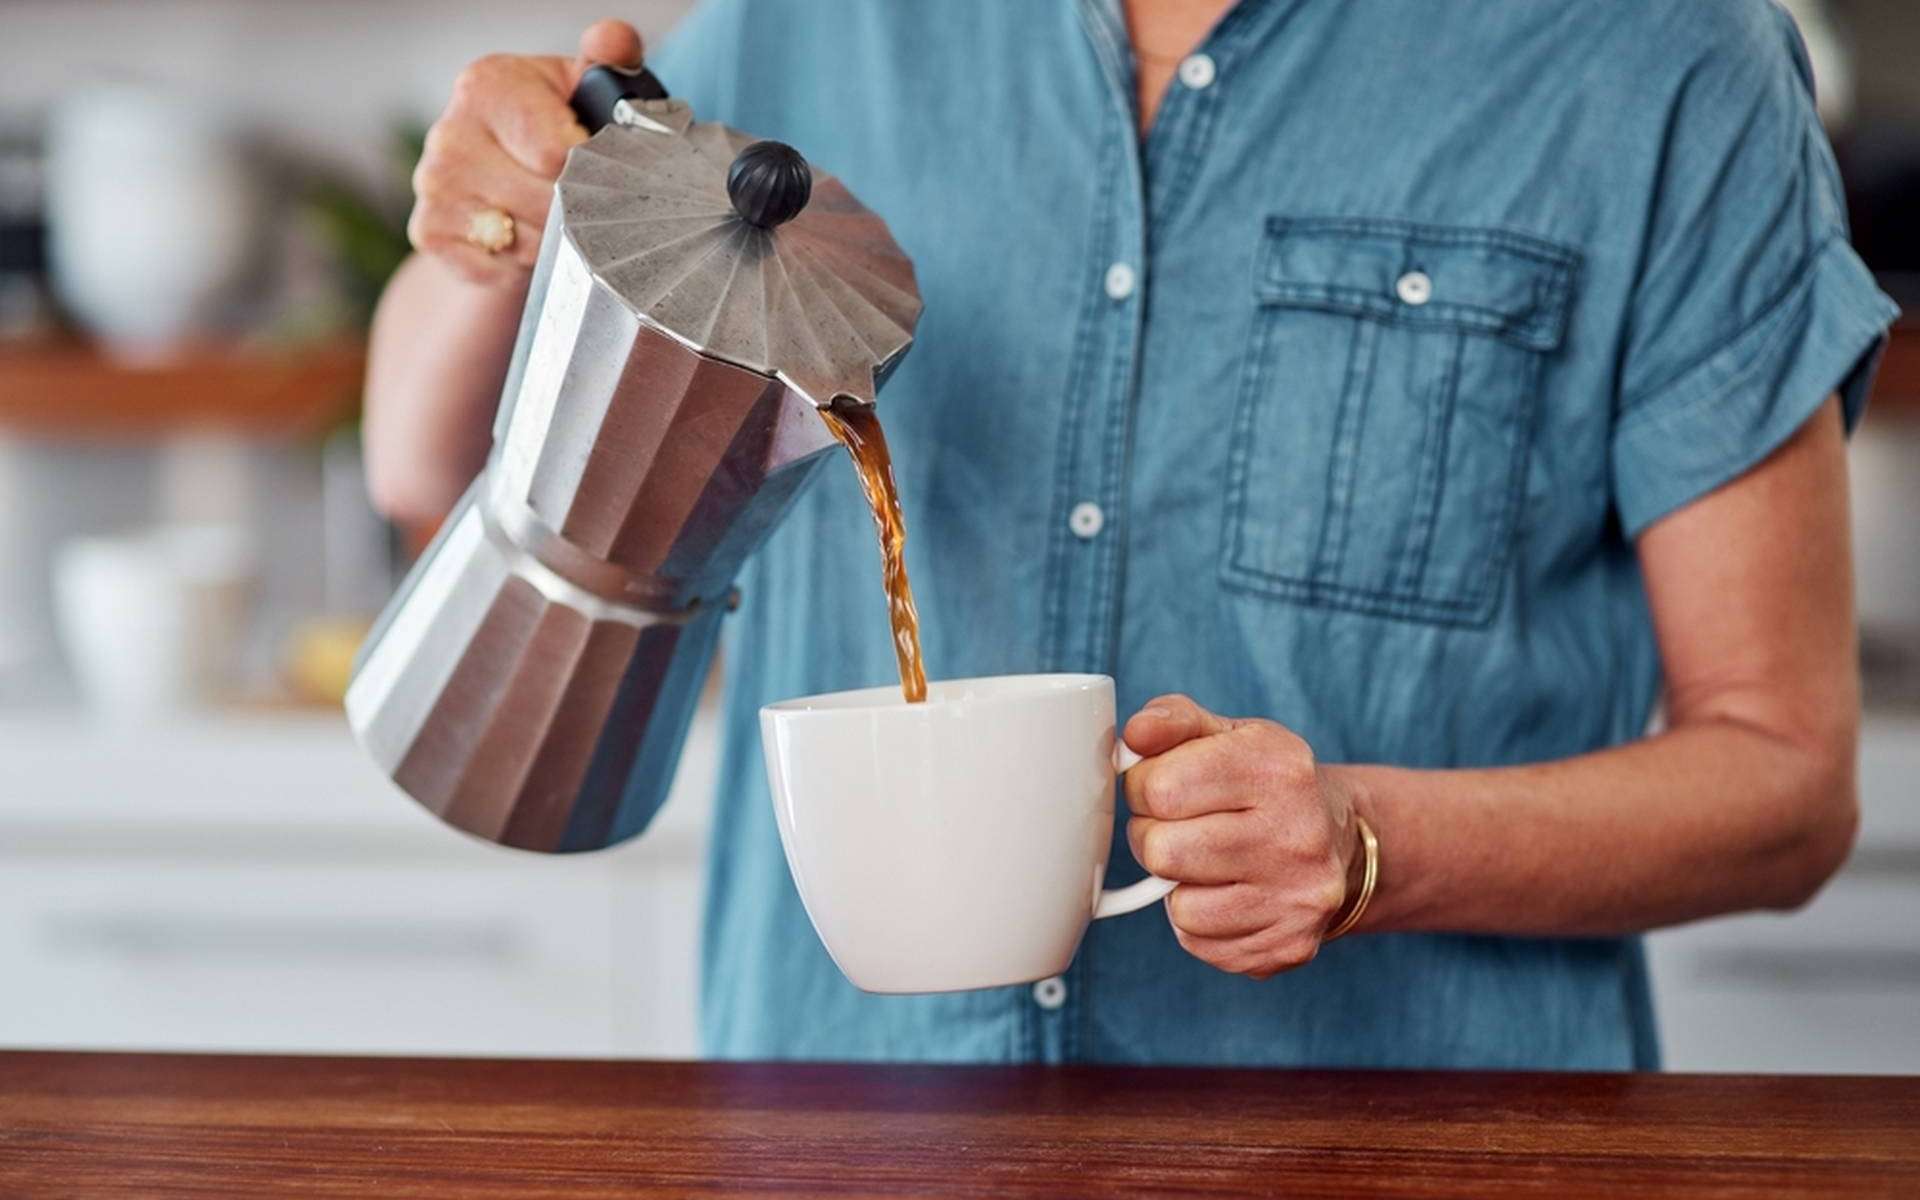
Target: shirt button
x=1197, y=71
x=1086, y=520
x=1050, y=993
x=1414, y=288
x=1119, y=281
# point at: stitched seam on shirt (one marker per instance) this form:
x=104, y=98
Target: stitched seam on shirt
x=1349, y=427
x=1522, y=419
x=1503, y=237
x=1236, y=572
x=1252, y=384
x=1551, y=289
x=1059, y=567
x=1522, y=330
x=1099, y=550
x=1295, y=586
x=1105, y=618
x=1541, y=327
x=1059, y=549
x=1195, y=114
x=1366, y=599
x=1111, y=560
x=1362, y=603
x=1474, y=608
x=1114, y=58
x=1431, y=487
x=1198, y=112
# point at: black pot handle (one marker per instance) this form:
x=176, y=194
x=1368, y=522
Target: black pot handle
x=603, y=87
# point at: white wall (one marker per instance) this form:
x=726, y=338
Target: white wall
x=328, y=76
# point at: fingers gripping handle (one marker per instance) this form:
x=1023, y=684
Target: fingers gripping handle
x=1117, y=901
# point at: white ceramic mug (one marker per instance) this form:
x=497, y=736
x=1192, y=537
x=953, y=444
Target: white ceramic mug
x=957, y=843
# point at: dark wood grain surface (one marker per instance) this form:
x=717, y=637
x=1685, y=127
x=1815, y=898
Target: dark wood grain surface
x=159, y=1125
x=1896, y=390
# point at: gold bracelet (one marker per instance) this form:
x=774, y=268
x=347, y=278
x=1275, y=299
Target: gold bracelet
x=1368, y=878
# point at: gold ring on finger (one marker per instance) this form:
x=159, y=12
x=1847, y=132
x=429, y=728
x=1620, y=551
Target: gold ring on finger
x=490, y=229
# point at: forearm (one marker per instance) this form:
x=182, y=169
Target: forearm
x=1747, y=802
x=438, y=353
x=1716, y=816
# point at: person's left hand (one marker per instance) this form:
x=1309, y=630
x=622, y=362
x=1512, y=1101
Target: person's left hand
x=1258, y=836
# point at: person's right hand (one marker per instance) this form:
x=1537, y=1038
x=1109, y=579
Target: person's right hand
x=500, y=144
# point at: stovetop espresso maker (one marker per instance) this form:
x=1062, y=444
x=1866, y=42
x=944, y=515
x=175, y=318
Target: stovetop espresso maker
x=698, y=294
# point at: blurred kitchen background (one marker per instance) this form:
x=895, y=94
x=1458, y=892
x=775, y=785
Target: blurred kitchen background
x=198, y=201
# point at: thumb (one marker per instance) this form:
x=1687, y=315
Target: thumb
x=1167, y=721
x=614, y=43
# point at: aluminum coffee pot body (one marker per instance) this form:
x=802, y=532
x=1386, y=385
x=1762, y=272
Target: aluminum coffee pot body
x=697, y=297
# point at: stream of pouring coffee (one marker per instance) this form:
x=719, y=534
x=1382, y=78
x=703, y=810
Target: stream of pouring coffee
x=858, y=429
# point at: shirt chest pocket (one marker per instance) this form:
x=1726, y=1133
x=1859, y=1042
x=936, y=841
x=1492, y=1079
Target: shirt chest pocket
x=1381, y=432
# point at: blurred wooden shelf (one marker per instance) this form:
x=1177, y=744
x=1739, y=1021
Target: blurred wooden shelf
x=1896, y=391
x=67, y=388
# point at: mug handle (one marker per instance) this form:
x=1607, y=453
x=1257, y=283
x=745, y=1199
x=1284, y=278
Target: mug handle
x=1115, y=902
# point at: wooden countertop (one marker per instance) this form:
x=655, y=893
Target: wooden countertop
x=161, y=1125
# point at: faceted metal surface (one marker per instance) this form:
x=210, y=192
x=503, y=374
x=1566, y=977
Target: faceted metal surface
x=532, y=681
x=824, y=302
x=648, y=470
x=515, y=710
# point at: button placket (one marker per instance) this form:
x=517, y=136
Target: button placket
x=1081, y=591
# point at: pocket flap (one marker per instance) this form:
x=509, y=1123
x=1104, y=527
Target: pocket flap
x=1489, y=281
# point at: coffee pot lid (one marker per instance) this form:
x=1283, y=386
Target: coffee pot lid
x=740, y=249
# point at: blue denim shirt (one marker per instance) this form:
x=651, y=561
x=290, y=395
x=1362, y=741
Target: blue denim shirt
x=1372, y=359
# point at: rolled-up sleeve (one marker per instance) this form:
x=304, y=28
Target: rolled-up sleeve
x=1751, y=308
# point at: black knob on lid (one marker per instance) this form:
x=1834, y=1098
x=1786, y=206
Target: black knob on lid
x=769, y=183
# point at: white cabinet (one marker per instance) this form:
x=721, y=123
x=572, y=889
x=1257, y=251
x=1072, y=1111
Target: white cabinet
x=1832, y=988
x=256, y=885
x=307, y=955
